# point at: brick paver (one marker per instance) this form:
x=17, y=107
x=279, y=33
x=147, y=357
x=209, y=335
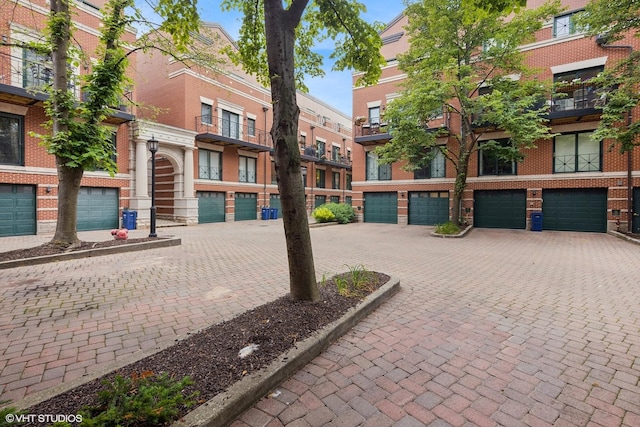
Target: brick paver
x=499, y=328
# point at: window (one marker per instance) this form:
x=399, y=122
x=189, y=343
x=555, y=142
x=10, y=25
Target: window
x=114, y=153
x=576, y=152
x=206, y=113
x=320, y=178
x=230, y=125
x=303, y=141
x=334, y=199
x=564, y=25
x=348, y=181
x=36, y=69
x=247, y=169
x=375, y=171
x=335, y=181
x=335, y=153
x=321, y=149
x=492, y=164
x=251, y=127
x=11, y=139
x=374, y=116
x=573, y=91
x=435, y=168
x=303, y=171
x=209, y=165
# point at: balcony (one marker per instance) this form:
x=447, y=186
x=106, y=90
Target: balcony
x=372, y=134
x=574, y=103
x=219, y=131
x=23, y=82
x=310, y=154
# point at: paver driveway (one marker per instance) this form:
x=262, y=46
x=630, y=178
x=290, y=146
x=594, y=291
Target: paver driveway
x=499, y=328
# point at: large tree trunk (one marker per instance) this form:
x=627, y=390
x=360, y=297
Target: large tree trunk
x=68, y=190
x=68, y=178
x=280, y=31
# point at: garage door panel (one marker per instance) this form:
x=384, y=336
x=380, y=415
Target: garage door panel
x=575, y=210
x=274, y=202
x=246, y=206
x=428, y=208
x=381, y=207
x=17, y=210
x=500, y=209
x=97, y=209
x=211, y=206
x=636, y=210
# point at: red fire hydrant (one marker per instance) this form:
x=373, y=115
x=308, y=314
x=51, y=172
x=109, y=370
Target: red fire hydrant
x=120, y=234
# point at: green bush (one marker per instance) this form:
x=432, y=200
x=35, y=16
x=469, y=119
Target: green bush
x=322, y=214
x=342, y=212
x=144, y=399
x=447, y=228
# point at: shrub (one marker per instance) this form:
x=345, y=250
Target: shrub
x=358, y=282
x=343, y=213
x=447, y=228
x=144, y=399
x=322, y=214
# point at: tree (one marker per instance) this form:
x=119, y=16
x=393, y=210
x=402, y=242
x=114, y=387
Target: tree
x=275, y=43
x=465, y=61
x=78, y=138
x=613, y=21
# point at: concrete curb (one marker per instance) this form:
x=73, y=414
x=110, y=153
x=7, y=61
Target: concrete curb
x=224, y=408
x=453, y=236
x=624, y=237
x=161, y=242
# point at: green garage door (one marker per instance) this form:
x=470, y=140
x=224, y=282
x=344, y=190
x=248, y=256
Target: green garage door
x=582, y=209
x=97, y=209
x=500, y=209
x=274, y=202
x=636, y=210
x=246, y=206
x=428, y=207
x=210, y=206
x=17, y=210
x=381, y=207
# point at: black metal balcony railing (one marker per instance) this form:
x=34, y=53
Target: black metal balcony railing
x=232, y=130
x=27, y=73
x=586, y=162
x=210, y=173
x=369, y=129
x=313, y=154
x=575, y=97
x=246, y=176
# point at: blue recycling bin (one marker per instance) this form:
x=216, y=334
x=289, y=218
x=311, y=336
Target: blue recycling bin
x=129, y=219
x=274, y=213
x=536, y=221
x=265, y=214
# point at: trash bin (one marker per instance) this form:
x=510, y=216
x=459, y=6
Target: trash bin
x=536, y=221
x=129, y=219
x=274, y=213
x=265, y=214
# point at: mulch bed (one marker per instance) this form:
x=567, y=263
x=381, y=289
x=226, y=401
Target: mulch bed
x=50, y=249
x=210, y=357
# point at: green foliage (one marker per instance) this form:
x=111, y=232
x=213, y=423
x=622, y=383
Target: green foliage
x=144, y=399
x=357, y=43
x=342, y=212
x=5, y=415
x=618, y=85
x=447, y=228
x=322, y=214
x=357, y=282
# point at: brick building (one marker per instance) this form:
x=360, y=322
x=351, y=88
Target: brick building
x=28, y=177
x=214, y=161
x=576, y=184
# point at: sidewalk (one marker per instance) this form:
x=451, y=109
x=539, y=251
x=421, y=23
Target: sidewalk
x=499, y=328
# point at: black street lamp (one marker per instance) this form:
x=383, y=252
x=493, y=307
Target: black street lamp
x=152, y=145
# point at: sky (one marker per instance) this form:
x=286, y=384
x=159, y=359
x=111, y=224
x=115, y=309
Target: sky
x=335, y=87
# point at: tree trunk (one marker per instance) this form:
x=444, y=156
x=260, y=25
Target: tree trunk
x=68, y=189
x=280, y=27
x=68, y=178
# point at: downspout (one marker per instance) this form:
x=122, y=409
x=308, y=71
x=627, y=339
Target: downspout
x=313, y=168
x=266, y=140
x=344, y=171
x=630, y=150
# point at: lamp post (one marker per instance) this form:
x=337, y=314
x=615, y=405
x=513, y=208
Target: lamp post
x=152, y=145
